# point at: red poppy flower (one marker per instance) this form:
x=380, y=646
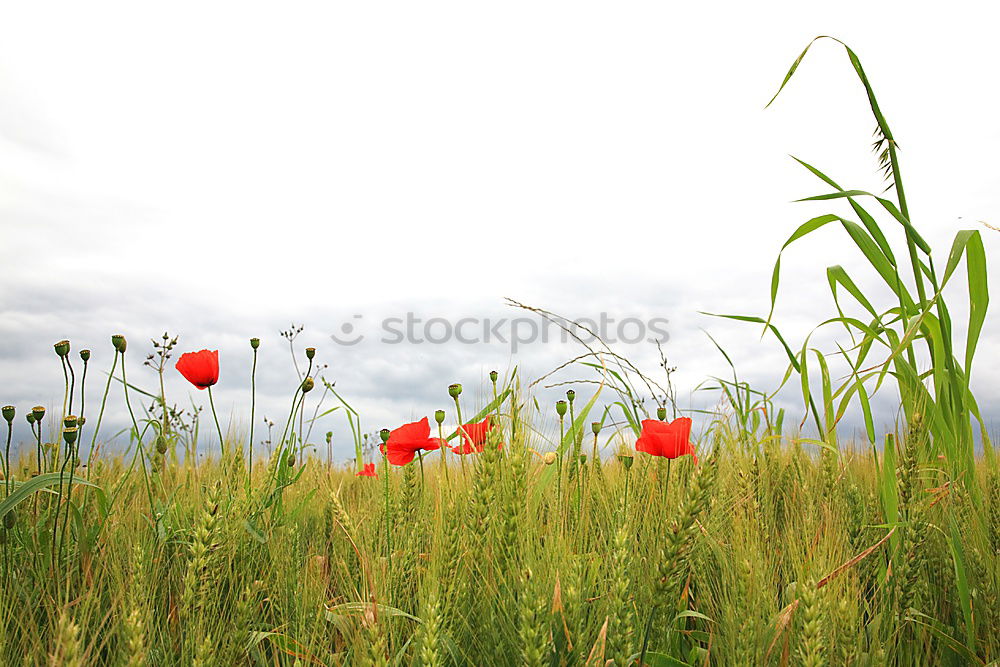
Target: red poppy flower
x=669, y=440
x=200, y=368
x=367, y=471
x=474, y=437
x=405, y=441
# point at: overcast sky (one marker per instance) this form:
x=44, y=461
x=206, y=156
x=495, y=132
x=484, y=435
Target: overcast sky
x=221, y=170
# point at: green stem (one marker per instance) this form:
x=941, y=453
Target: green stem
x=100, y=415
x=140, y=451
x=222, y=440
x=253, y=406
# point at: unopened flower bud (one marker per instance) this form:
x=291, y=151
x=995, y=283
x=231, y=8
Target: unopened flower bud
x=307, y=385
x=561, y=408
x=255, y=343
x=549, y=458
x=439, y=416
x=384, y=434
x=118, y=340
x=161, y=444
x=329, y=437
x=85, y=355
x=9, y=519
x=310, y=352
x=290, y=461
x=583, y=459
x=81, y=421
x=595, y=427
x=38, y=412
x=570, y=395
x=493, y=376
x=8, y=413
x=661, y=414
x=62, y=348
x=455, y=390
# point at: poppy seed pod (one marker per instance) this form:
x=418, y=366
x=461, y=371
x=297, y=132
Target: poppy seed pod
x=661, y=414
x=307, y=385
x=549, y=458
x=255, y=343
x=85, y=355
x=329, y=437
x=38, y=412
x=69, y=435
x=561, y=408
x=8, y=413
x=310, y=352
x=455, y=390
x=570, y=395
x=439, y=416
x=626, y=460
x=9, y=519
x=583, y=459
x=81, y=421
x=384, y=434
x=69, y=421
x=493, y=376
x=118, y=340
x=595, y=427
x=62, y=348
x=30, y=417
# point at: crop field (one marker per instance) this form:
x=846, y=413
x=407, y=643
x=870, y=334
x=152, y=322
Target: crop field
x=614, y=526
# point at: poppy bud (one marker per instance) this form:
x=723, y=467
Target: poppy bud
x=255, y=343
x=549, y=458
x=439, y=416
x=570, y=395
x=384, y=434
x=595, y=427
x=62, y=348
x=583, y=459
x=329, y=437
x=69, y=435
x=661, y=414
x=118, y=340
x=493, y=376
x=307, y=385
x=81, y=421
x=85, y=355
x=561, y=408
x=69, y=421
x=9, y=519
x=310, y=352
x=455, y=390
x=38, y=412
x=290, y=460
x=8, y=413
x=626, y=460
x=161, y=444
